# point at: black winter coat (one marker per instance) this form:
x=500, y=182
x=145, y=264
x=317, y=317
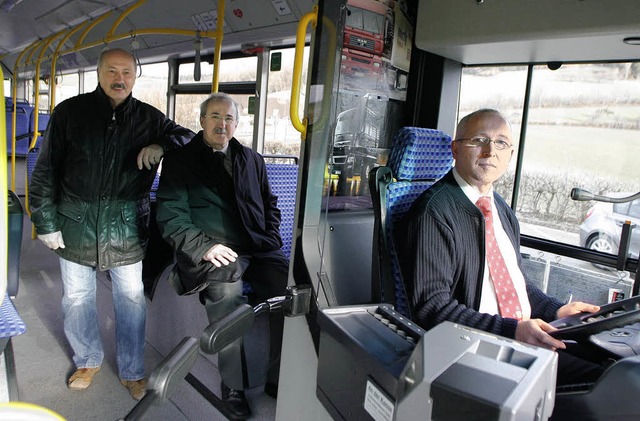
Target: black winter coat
x=86, y=182
x=187, y=210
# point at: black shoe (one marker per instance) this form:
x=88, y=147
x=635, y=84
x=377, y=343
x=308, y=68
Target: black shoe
x=235, y=403
x=271, y=389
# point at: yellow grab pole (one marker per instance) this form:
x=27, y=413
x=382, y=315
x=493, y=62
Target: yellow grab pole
x=294, y=113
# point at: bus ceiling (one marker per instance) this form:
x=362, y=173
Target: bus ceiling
x=505, y=31
x=165, y=28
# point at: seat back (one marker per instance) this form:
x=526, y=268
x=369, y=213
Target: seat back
x=154, y=186
x=43, y=121
x=419, y=157
x=283, y=179
x=23, y=114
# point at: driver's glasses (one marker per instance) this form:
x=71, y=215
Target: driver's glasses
x=480, y=142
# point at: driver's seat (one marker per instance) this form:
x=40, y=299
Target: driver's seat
x=419, y=157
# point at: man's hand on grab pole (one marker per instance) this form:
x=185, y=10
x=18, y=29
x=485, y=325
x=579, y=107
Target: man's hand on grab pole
x=150, y=156
x=220, y=255
x=53, y=240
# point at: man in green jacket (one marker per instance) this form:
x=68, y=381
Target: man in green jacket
x=216, y=209
x=89, y=200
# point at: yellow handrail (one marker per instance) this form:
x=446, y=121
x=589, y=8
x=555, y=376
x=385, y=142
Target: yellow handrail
x=301, y=126
x=54, y=63
x=124, y=15
x=90, y=27
x=14, y=95
x=4, y=197
x=218, y=48
x=36, y=89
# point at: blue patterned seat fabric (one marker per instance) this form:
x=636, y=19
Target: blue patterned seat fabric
x=10, y=322
x=23, y=114
x=419, y=157
x=154, y=186
x=283, y=179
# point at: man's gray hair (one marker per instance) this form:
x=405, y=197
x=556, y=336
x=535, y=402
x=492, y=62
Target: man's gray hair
x=119, y=50
x=462, y=124
x=218, y=97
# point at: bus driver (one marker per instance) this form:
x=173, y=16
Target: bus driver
x=459, y=251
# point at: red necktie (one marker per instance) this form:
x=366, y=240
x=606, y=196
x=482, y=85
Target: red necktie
x=508, y=301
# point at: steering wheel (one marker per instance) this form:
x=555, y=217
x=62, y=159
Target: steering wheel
x=580, y=327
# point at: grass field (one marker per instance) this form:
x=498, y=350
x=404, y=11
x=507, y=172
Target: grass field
x=592, y=151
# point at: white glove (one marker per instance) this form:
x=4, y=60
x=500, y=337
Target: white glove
x=53, y=240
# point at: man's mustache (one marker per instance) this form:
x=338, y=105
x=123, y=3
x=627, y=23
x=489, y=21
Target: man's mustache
x=118, y=86
x=219, y=130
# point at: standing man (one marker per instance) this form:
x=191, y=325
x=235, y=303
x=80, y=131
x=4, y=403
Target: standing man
x=89, y=199
x=216, y=209
x=460, y=251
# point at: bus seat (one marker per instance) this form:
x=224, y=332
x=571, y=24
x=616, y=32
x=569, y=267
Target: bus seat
x=43, y=121
x=283, y=179
x=10, y=322
x=23, y=113
x=418, y=158
x=154, y=186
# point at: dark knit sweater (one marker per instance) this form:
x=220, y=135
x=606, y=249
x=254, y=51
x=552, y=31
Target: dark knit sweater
x=442, y=255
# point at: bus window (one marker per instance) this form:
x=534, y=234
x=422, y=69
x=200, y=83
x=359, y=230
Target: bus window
x=242, y=69
x=500, y=88
x=281, y=138
x=188, y=115
x=581, y=131
x=67, y=86
x=91, y=80
x=151, y=85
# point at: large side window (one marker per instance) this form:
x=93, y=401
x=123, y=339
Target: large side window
x=188, y=115
x=67, y=86
x=581, y=130
x=500, y=88
x=232, y=70
x=151, y=85
x=281, y=138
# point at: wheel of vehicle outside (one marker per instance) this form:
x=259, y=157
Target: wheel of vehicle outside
x=603, y=243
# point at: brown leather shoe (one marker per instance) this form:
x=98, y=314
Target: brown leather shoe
x=137, y=388
x=82, y=378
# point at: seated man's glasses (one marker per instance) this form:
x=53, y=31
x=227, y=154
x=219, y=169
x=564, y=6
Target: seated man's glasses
x=218, y=117
x=479, y=142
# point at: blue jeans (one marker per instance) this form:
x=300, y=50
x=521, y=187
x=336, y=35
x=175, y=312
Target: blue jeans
x=81, y=316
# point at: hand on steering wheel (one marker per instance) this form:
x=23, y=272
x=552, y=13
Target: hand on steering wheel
x=582, y=325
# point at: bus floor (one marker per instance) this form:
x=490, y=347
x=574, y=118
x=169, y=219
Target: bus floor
x=43, y=356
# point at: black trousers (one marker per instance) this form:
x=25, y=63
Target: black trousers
x=267, y=272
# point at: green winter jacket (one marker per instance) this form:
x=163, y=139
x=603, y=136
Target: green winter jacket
x=86, y=182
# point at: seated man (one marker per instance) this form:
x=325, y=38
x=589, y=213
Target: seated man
x=216, y=209
x=459, y=251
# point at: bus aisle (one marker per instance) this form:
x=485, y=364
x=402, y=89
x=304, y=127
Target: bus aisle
x=43, y=356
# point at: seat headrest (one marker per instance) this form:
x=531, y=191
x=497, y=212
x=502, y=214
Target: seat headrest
x=420, y=154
